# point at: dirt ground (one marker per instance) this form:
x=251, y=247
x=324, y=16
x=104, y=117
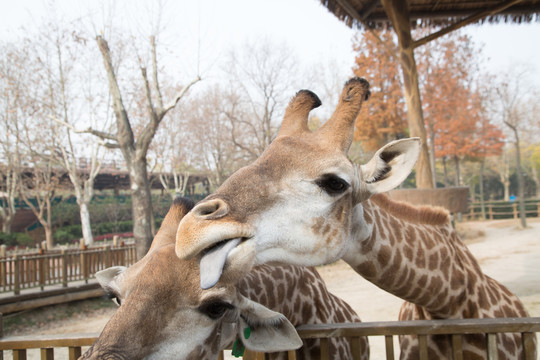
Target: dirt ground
x=506, y=253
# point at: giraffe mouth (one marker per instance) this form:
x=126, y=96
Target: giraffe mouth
x=213, y=261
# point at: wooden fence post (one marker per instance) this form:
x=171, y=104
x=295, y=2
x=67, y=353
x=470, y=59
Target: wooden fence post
x=41, y=264
x=16, y=275
x=514, y=207
x=74, y=352
x=1, y=334
x=490, y=211
x=84, y=266
x=3, y=266
x=64, y=268
x=108, y=256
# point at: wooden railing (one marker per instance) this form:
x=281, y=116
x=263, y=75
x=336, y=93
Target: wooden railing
x=502, y=210
x=24, y=271
x=455, y=328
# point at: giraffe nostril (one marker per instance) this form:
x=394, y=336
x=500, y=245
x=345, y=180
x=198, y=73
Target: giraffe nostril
x=211, y=209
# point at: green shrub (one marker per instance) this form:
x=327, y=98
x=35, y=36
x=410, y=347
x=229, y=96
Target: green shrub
x=15, y=239
x=74, y=230
x=24, y=239
x=62, y=237
x=8, y=239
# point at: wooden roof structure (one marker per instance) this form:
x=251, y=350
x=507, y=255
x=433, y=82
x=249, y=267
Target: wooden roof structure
x=427, y=13
x=404, y=15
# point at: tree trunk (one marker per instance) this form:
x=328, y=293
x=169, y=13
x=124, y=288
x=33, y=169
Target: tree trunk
x=432, y=153
x=458, y=174
x=48, y=236
x=7, y=220
x=481, y=186
x=445, y=171
x=398, y=13
x=535, y=178
x=141, y=206
x=85, y=224
x=7, y=210
x=521, y=182
x=504, y=173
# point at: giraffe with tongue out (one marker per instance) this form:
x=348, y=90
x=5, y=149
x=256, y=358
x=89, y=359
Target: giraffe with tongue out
x=304, y=202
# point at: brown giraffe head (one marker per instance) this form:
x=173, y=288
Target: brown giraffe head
x=164, y=314
x=294, y=204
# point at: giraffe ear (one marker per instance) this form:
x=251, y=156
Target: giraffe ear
x=264, y=330
x=390, y=165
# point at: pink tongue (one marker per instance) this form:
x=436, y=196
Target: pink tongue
x=211, y=264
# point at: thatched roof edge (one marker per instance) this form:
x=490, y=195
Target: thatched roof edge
x=517, y=14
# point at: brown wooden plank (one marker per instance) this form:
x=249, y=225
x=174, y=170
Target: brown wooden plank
x=529, y=345
x=431, y=327
x=74, y=352
x=389, y=346
x=457, y=347
x=422, y=347
x=47, y=354
x=355, y=348
x=492, y=352
x=19, y=354
x=220, y=355
x=46, y=341
x=325, y=353
x=291, y=355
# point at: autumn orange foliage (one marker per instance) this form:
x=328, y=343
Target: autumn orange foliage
x=383, y=118
x=454, y=108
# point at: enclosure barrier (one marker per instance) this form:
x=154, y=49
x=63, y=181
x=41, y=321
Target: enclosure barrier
x=501, y=210
x=25, y=271
x=423, y=328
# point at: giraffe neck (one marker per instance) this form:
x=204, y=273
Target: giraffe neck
x=413, y=253
x=299, y=293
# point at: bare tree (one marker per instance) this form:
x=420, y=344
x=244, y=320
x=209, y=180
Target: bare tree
x=173, y=153
x=12, y=105
x=135, y=150
x=514, y=110
x=69, y=88
x=210, y=130
x=37, y=188
x=261, y=77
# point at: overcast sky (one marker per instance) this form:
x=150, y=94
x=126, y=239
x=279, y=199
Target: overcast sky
x=306, y=26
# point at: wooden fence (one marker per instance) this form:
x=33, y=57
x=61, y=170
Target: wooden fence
x=424, y=328
x=502, y=210
x=25, y=271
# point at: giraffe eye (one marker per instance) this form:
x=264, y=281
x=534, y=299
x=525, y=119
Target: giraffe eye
x=115, y=298
x=332, y=184
x=215, y=309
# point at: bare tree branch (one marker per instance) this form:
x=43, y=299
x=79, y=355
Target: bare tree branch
x=100, y=134
x=155, y=118
x=125, y=134
x=159, y=98
x=179, y=96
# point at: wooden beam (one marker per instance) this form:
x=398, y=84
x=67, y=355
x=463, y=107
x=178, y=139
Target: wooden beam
x=368, y=9
x=398, y=13
x=469, y=20
x=360, y=18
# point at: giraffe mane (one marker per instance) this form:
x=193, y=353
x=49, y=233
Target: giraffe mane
x=424, y=214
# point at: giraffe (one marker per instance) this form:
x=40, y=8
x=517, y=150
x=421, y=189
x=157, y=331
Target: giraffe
x=164, y=314
x=304, y=202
